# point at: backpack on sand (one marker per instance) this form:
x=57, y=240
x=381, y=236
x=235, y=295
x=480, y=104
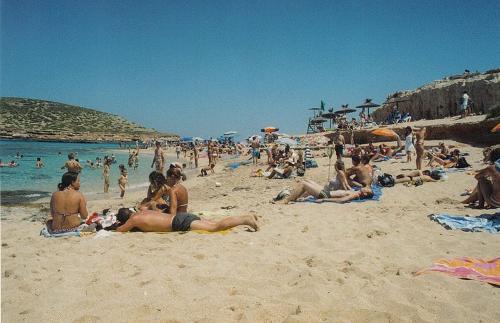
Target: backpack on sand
x=386, y=180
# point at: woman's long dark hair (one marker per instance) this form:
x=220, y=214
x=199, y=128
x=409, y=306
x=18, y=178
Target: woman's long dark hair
x=157, y=179
x=67, y=179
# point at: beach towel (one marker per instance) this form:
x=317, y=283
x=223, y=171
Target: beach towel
x=377, y=194
x=468, y=268
x=48, y=234
x=485, y=222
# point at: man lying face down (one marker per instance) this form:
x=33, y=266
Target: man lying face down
x=155, y=221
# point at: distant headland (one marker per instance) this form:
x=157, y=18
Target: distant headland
x=32, y=119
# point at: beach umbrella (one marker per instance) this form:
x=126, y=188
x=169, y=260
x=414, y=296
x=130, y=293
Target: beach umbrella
x=496, y=128
x=368, y=104
x=345, y=110
x=395, y=101
x=384, y=132
x=269, y=129
x=230, y=133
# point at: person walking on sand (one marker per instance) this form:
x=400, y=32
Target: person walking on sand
x=159, y=158
x=420, y=149
x=105, y=174
x=409, y=147
x=123, y=180
x=178, y=151
x=464, y=101
x=196, y=155
x=339, y=144
x=255, y=144
x=72, y=165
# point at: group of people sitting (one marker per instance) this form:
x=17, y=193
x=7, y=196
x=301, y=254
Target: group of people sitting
x=164, y=209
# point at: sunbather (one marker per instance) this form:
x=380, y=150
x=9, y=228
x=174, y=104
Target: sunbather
x=359, y=175
x=342, y=196
x=487, y=191
x=283, y=172
x=433, y=160
x=155, y=221
x=417, y=176
x=308, y=187
x=68, y=206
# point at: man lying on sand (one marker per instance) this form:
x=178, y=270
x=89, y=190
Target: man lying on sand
x=155, y=221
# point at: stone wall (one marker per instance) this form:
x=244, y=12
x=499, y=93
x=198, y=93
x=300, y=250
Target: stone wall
x=440, y=99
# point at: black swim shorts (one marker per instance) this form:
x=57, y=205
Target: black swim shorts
x=182, y=221
x=339, y=149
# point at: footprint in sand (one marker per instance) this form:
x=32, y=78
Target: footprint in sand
x=375, y=233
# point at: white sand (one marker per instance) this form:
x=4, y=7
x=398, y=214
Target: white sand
x=309, y=263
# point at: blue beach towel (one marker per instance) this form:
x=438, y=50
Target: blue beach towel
x=47, y=234
x=486, y=222
x=377, y=194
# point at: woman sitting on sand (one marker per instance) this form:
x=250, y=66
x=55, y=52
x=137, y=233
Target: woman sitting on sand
x=446, y=163
x=487, y=191
x=68, y=206
x=166, y=194
x=308, y=187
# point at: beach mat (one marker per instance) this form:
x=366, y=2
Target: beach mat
x=76, y=233
x=483, y=223
x=468, y=268
x=377, y=194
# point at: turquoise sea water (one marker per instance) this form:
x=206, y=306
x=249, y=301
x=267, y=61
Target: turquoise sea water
x=26, y=182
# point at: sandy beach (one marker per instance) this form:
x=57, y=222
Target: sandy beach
x=309, y=262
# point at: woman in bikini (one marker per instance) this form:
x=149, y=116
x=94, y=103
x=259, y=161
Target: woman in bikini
x=419, y=147
x=68, y=206
x=308, y=187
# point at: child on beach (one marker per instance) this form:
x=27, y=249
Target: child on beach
x=123, y=180
x=205, y=170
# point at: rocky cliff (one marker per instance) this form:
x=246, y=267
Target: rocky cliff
x=440, y=98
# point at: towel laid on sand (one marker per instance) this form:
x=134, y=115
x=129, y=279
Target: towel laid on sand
x=79, y=231
x=468, y=268
x=377, y=194
x=486, y=222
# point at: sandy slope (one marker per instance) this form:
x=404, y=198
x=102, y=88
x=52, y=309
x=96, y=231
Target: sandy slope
x=309, y=262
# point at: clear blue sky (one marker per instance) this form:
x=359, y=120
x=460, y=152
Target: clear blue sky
x=204, y=67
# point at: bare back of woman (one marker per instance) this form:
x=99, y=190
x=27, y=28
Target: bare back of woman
x=68, y=206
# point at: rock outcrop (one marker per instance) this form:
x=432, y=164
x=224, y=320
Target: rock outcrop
x=440, y=99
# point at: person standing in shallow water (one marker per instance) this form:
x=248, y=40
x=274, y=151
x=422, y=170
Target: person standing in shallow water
x=72, y=164
x=159, y=158
x=105, y=174
x=39, y=163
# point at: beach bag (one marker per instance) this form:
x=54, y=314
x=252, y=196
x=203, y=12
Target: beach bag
x=462, y=163
x=311, y=164
x=386, y=180
x=301, y=171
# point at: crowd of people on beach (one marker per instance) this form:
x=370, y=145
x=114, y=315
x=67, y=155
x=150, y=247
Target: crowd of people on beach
x=165, y=206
